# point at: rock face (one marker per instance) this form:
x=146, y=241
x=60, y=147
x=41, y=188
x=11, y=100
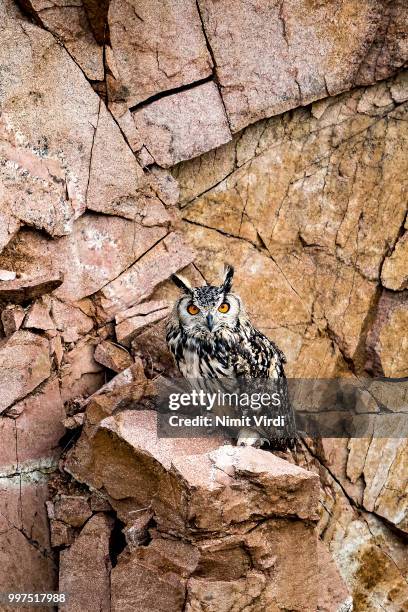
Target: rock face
x=142, y=138
x=183, y=125
x=157, y=46
x=306, y=218
x=306, y=50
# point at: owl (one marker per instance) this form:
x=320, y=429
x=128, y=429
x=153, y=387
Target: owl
x=211, y=337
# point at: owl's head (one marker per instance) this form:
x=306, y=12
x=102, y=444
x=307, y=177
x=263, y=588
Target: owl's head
x=208, y=309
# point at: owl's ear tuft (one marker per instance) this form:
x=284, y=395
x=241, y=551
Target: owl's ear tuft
x=227, y=282
x=182, y=283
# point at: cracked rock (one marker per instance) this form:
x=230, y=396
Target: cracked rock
x=24, y=289
x=297, y=52
x=212, y=502
x=134, y=320
x=84, y=572
x=68, y=22
x=24, y=364
x=183, y=125
x=73, y=510
x=157, y=46
x=112, y=356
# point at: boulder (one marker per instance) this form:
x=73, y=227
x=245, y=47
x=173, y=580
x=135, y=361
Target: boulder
x=232, y=523
x=394, y=273
x=97, y=251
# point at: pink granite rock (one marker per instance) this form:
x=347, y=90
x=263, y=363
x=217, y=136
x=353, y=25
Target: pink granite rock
x=157, y=46
x=97, y=11
x=38, y=316
x=24, y=364
x=23, y=289
x=183, y=125
x=97, y=251
x=138, y=282
x=48, y=175
x=80, y=374
x=112, y=356
x=70, y=320
x=124, y=189
x=273, y=56
x=134, y=320
x=68, y=22
x=39, y=427
x=85, y=568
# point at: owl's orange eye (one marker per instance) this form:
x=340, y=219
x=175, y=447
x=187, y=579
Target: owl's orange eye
x=224, y=307
x=192, y=309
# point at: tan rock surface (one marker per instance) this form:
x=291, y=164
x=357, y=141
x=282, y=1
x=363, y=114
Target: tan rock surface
x=138, y=281
x=24, y=531
x=394, y=273
x=38, y=316
x=305, y=215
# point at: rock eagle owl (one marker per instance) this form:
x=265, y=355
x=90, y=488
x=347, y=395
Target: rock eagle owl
x=211, y=337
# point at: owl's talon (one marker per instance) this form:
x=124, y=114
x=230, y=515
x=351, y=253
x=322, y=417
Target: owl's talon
x=249, y=437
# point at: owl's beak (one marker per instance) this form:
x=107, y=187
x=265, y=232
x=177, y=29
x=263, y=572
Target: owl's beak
x=210, y=321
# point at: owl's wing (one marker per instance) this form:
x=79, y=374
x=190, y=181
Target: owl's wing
x=255, y=356
x=258, y=357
